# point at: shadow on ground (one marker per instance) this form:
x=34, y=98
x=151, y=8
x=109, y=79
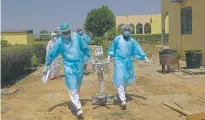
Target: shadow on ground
x=69, y=105
x=13, y=80
x=129, y=97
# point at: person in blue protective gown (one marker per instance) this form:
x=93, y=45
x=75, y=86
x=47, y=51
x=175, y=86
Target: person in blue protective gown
x=87, y=39
x=123, y=49
x=70, y=46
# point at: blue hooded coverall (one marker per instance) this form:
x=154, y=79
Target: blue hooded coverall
x=123, y=50
x=87, y=40
x=71, y=51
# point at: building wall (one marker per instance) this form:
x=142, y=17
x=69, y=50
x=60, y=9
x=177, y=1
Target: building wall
x=186, y=41
x=154, y=20
x=156, y=24
x=30, y=38
x=18, y=38
x=15, y=38
x=135, y=19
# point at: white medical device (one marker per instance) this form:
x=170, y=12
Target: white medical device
x=98, y=52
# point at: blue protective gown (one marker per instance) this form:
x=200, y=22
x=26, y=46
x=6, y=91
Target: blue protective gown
x=71, y=51
x=87, y=39
x=123, y=50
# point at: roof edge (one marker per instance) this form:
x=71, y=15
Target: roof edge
x=19, y=31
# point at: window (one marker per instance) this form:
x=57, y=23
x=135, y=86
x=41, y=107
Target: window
x=139, y=28
x=186, y=20
x=147, y=28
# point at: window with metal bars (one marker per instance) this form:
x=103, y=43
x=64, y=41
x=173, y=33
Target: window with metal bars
x=186, y=20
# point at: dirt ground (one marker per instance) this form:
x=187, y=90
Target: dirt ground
x=37, y=101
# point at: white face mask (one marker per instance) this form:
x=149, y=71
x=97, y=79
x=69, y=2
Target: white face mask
x=80, y=32
x=54, y=38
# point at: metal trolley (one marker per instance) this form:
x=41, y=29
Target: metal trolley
x=100, y=66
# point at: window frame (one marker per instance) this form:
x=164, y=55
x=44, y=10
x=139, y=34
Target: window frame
x=186, y=18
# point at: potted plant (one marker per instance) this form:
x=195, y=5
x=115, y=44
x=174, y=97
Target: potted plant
x=193, y=58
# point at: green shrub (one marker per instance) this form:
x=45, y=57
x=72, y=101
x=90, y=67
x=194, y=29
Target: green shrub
x=41, y=42
x=105, y=48
x=96, y=41
x=35, y=61
x=101, y=41
x=14, y=60
x=150, y=38
x=18, y=45
x=5, y=43
x=111, y=34
x=40, y=52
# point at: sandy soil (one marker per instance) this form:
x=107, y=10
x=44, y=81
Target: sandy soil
x=37, y=101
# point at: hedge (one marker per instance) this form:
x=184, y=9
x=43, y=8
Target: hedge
x=96, y=40
x=16, y=60
x=40, y=52
x=150, y=38
x=5, y=43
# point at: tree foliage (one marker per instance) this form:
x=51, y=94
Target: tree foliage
x=99, y=21
x=111, y=34
x=57, y=32
x=119, y=28
x=45, y=35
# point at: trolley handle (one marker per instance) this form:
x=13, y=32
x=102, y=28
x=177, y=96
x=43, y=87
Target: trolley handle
x=102, y=63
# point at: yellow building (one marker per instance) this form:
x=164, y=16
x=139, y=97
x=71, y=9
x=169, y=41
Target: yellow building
x=18, y=37
x=143, y=24
x=186, y=24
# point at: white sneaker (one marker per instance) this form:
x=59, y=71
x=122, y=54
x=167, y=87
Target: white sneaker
x=79, y=112
x=123, y=105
